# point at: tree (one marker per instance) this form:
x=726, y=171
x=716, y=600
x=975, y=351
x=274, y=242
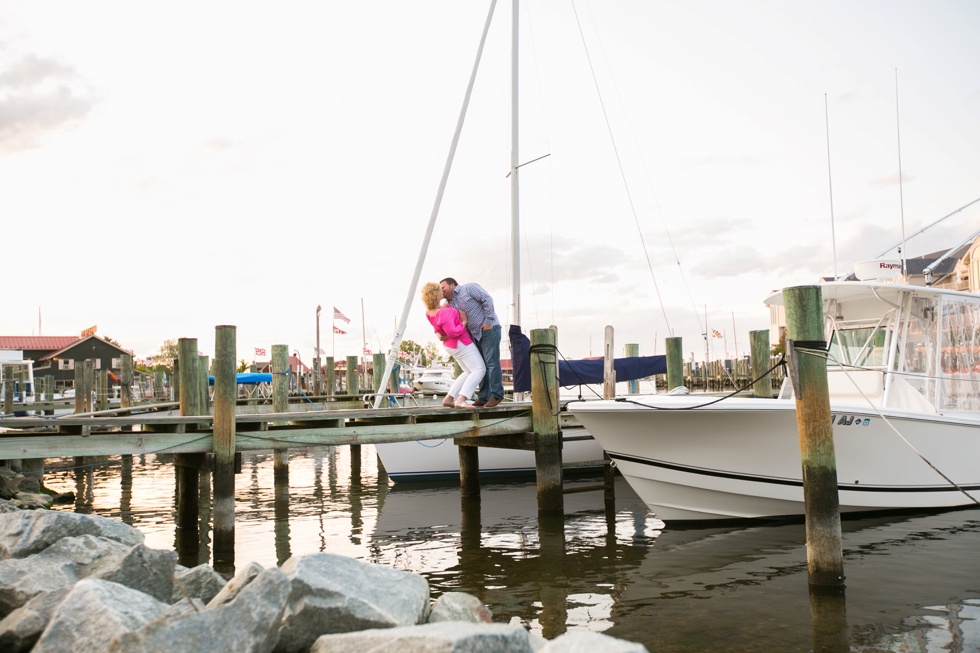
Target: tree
x=778, y=348
x=242, y=366
x=111, y=341
x=166, y=356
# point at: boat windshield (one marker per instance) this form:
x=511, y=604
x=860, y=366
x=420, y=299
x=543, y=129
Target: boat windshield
x=861, y=344
x=960, y=354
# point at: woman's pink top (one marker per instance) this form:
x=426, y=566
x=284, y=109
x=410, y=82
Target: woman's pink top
x=446, y=322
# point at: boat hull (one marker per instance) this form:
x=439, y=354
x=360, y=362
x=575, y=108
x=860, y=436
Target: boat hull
x=740, y=458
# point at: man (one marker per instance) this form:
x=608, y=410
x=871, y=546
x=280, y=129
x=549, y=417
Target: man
x=484, y=327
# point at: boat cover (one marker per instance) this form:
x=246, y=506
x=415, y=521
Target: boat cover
x=579, y=372
x=248, y=378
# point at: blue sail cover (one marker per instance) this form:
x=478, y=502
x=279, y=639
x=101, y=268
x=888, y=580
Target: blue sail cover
x=248, y=378
x=579, y=372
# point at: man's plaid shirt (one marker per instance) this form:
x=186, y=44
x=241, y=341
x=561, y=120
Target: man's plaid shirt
x=477, y=303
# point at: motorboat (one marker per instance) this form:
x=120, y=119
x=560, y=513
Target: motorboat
x=901, y=359
x=434, y=381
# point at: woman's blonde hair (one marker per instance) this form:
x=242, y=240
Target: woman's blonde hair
x=431, y=295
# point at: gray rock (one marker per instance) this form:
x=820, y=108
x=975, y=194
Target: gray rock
x=247, y=624
x=236, y=585
x=20, y=629
x=93, y=614
x=6, y=491
x=182, y=607
x=34, y=501
x=460, y=606
x=60, y=565
x=24, y=533
x=7, y=506
x=150, y=571
x=201, y=582
x=333, y=594
x=21, y=483
x=585, y=641
x=442, y=637
x=537, y=642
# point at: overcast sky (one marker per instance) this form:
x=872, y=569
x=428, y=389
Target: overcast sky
x=168, y=167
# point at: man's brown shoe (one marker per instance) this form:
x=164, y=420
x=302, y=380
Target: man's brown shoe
x=479, y=402
x=491, y=402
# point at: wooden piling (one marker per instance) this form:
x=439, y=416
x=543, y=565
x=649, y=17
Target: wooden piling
x=225, y=397
x=203, y=367
x=469, y=473
x=79, y=387
x=102, y=390
x=49, y=392
x=632, y=351
x=353, y=379
x=89, y=372
x=186, y=465
x=379, y=373
x=544, y=417
x=675, y=363
x=8, y=397
x=157, y=386
x=280, y=404
x=317, y=377
x=330, y=377
x=759, y=342
x=608, y=365
x=125, y=380
x=804, y=326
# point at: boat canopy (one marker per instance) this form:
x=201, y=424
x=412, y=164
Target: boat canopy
x=248, y=378
x=579, y=372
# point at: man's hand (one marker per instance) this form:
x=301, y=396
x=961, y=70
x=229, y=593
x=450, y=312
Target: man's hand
x=487, y=327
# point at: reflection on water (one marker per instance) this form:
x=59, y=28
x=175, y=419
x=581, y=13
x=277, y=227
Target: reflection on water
x=913, y=582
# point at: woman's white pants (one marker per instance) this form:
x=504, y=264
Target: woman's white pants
x=470, y=360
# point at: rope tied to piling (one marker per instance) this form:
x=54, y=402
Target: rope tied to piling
x=546, y=349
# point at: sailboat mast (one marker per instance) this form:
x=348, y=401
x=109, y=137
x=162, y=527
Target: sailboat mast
x=515, y=204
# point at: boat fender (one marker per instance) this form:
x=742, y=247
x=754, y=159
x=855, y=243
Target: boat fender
x=679, y=390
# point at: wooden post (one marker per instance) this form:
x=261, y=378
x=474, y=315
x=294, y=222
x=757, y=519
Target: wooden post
x=225, y=397
x=125, y=381
x=379, y=373
x=186, y=465
x=608, y=366
x=157, y=386
x=544, y=417
x=675, y=363
x=89, y=372
x=49, y=392
x=8, y=397
x=102, y=390
x=804, y=324
x=331, y=377
x=79, y=387
x=759, y=342
x=353, y=379
x=205, y=370
x=632, y=351
x=317, y=375
x=280, y=404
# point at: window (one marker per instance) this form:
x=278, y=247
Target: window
x=64, y=364
x=97, y=363
x=117, y=363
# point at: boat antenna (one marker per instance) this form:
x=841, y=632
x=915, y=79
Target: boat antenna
x=417, y=274
x=901, y=202
x=830, y=184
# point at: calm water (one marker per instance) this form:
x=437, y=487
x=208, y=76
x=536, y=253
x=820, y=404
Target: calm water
x=913, y=582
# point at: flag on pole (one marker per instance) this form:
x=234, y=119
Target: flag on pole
x=715, y=333
x=367, y=352
x=337, y=315
x=320, y=352
x=259, y=351
x=336, y=330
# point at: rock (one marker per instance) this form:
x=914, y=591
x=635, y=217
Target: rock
x=460, y=606
x=442, y=637
x=7, y=506
x=201, y=582
x=182, y=607
x=64, y=498
x=20, y=483
x=236, y=585
x=93, y=614
x=333, y=594
x=27, y=532
x=6, y=491
x=20, y=629
x=34, y=501
x=60, y=565
x=150, y=571
x=247, y=624
x=537, y=642
x=19, y=505
x=586, y=641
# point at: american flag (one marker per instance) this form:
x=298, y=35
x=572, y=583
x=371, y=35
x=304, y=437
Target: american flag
x=367, y=352
x=259, y=352
x=337, y=315
x=336, y=330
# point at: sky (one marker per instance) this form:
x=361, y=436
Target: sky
x=169, y=167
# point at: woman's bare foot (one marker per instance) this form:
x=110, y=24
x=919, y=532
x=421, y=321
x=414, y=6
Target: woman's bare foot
x=448, y=402
x=461, y=403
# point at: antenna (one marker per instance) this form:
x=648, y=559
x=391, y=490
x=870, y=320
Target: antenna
x=830, y=183
x=901, y=201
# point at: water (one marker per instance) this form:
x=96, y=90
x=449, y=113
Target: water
x=913, y=581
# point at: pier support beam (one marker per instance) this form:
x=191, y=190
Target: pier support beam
x=804, y=326
x=187, y=465
x=759, y=342
x=353, y=379
x=675, y=363
x=225, y=396
x=469, y=473
x=280, y=404
x=544, y=411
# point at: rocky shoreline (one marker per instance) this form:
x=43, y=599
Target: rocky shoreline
x=73, y=582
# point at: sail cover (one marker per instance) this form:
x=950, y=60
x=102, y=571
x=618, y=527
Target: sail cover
x=579, y=372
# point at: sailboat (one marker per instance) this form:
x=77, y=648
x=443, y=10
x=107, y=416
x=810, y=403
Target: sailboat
x=417, y=461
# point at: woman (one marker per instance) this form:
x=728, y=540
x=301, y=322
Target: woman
x=449, y=322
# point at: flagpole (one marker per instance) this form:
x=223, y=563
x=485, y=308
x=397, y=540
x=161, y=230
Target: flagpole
x=364, y=342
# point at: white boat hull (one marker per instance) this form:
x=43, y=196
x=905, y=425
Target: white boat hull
x=740, y=458
x=438, y=460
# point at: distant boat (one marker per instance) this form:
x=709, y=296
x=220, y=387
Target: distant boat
x=434, y=381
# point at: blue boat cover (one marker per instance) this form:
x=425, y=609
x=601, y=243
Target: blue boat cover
x=248, y=378
x=579, y=372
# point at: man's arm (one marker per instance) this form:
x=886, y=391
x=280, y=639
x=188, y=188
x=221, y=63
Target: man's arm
x=483, y=297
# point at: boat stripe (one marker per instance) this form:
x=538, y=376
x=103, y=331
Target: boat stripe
x=784, y=481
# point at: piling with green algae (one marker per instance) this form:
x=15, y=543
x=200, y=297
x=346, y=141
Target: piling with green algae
x=804, y=327
x=675, y=363
x=225, y=397
x=187, y=466
x=759, y=341
x=280, y=404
